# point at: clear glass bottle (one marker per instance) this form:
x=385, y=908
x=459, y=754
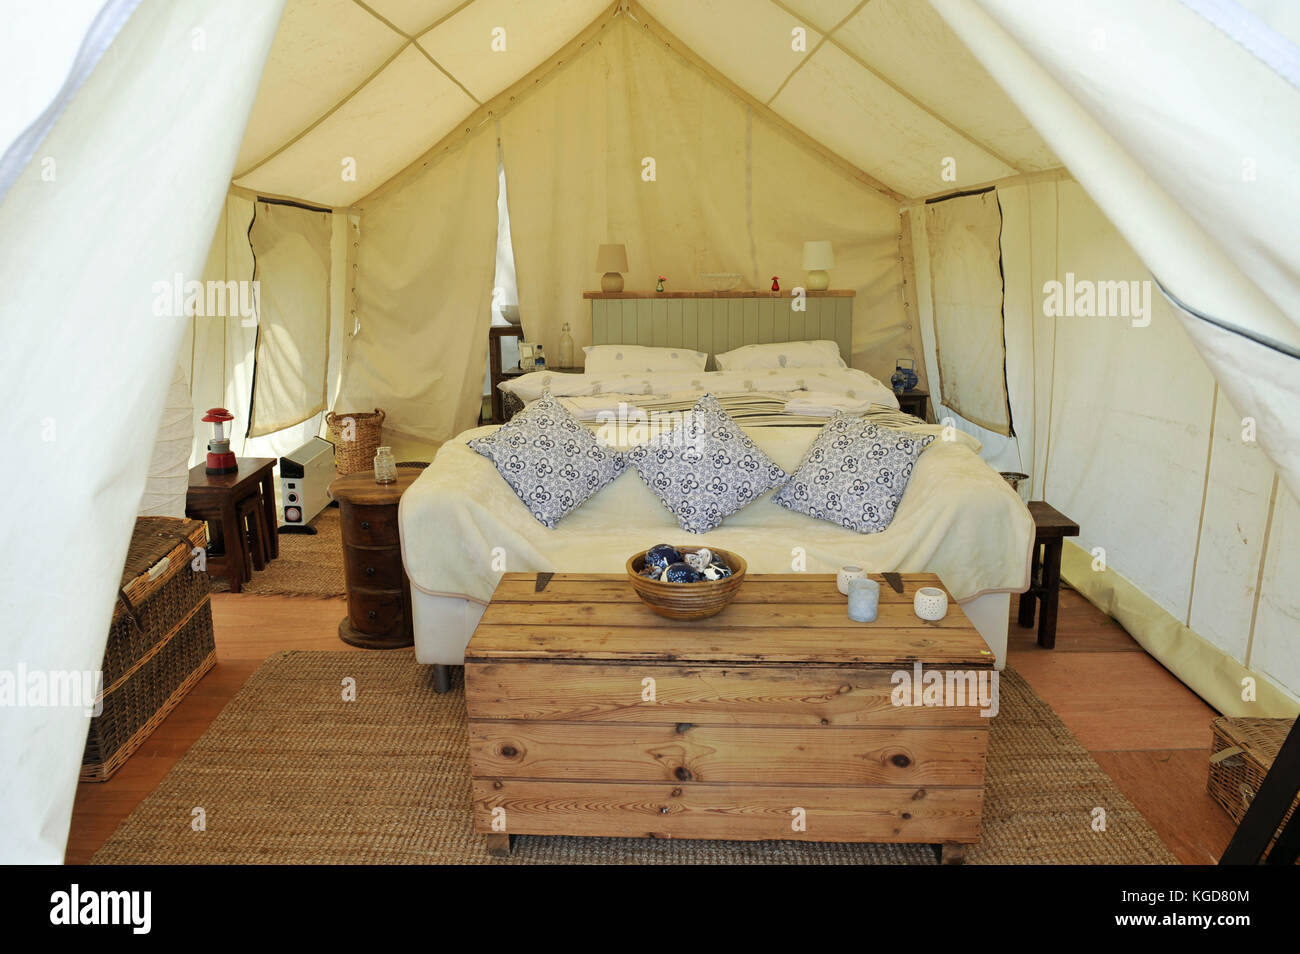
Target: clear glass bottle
x=385, y=466
x=566, y=347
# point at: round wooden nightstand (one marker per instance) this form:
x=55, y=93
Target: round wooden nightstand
x=379, y=594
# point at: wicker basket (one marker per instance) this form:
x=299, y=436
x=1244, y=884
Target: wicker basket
x=159, y=644
x=1242, y=753
x=357, y=454
x=688, y=600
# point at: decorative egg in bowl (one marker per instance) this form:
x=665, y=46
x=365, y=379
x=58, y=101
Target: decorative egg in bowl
x=686, y=582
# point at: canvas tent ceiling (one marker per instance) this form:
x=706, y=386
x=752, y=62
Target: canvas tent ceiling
x=919, y=98
x=884, y=84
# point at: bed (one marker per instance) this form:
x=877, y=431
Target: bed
x=462, y=526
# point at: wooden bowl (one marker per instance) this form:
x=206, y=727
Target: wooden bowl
x=688, y=600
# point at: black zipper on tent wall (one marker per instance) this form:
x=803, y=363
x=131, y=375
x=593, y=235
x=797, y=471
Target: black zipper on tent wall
x=293, y=204
x=1002, y=308
x=257, y=337
x=959, y=195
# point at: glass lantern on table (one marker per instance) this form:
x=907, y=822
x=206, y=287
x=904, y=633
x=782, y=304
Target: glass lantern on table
x=385, y=466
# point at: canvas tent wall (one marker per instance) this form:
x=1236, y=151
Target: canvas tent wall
x=1184, y=153
x=218, y=348
x=1187, y=532
x=888, y=101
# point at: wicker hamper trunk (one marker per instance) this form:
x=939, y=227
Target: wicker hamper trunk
x=1243, y=752
x=159, y=645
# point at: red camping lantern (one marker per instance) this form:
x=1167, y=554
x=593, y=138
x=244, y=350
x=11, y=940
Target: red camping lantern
x=220, y=459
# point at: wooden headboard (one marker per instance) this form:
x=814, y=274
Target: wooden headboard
x=715, y=322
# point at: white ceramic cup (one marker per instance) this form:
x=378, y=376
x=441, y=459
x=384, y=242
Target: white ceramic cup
x=864, y=600
x=846, y=573
x=930, y=603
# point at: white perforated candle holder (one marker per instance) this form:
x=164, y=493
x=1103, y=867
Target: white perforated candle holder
x=930, y=603
x=846, y=573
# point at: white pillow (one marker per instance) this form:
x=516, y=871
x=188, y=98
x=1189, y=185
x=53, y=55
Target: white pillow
x=638, y=359
x=783, y=354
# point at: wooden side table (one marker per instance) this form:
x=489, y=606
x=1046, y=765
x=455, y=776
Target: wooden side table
x=915, y=402
x=379, y=594
x=511, y=405
x=502, y=410
x=1051, y=527
x=216, y=498
x=497, y=374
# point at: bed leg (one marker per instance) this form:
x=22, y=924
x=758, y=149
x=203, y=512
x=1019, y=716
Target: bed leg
x=441, y=678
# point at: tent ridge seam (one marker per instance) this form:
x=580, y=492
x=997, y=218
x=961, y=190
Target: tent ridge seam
x=441, y=69
x=946, y=123
x=829, y=36
x=324, y=116
x=693, y=59
x=443, y=19
x=382, y=19
x=501, y=102
x=826, y=35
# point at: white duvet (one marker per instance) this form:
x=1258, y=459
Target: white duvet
x=462, y=526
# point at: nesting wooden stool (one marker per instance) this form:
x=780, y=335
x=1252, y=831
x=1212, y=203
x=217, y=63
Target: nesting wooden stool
x=254, y=534
x=1051, y=527
x=231, y=504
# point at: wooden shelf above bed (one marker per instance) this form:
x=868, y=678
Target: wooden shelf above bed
x=784, y=293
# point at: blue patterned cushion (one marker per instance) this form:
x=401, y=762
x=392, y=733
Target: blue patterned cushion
x=706, y=468
x=549, y=459
x=854, y=474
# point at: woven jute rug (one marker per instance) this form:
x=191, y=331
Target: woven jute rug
x=308, y=564
x=290, y=773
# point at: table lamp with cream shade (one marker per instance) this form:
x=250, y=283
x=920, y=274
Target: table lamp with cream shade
x=817, y=257
x=612, y=260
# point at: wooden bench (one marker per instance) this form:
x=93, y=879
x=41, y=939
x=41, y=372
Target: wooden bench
x=1051, y=529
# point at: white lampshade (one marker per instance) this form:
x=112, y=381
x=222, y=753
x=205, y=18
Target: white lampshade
x=611, y=258
x=818, y=256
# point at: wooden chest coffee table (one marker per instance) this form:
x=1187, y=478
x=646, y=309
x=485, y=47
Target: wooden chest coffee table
x=590, y=715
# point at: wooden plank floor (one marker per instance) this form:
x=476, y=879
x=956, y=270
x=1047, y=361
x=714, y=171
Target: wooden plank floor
x=1147, y=730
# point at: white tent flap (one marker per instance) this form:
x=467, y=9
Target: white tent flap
x=169, y=467
x=423, y=294
x=81, y=418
